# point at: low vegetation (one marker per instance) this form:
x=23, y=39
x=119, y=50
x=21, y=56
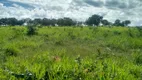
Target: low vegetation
x=70, y=53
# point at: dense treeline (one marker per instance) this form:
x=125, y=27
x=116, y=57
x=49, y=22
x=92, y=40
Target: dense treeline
x=94, y=20
x=38, y=21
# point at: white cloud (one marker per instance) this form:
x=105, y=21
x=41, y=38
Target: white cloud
x=76, y=9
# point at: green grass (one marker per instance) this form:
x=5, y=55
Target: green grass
x=71, y=53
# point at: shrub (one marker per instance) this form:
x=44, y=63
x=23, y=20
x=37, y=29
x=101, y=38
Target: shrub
x=31, y=30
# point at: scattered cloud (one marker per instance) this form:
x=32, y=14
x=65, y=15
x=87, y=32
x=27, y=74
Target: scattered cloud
x=75, y=9
x=95, y=3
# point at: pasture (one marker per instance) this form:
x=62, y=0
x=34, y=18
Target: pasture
x=71, y=53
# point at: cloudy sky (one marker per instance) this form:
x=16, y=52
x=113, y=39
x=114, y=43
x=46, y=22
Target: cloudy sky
x=76, y=9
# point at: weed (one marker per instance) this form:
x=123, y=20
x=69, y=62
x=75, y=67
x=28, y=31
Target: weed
x=140, y=31
x=105, y=35
x=116, y=33
x=138, y=59
x=59, y=42
x=130, y=33
x=12, y=51
x=71, y=35
x=136, y=72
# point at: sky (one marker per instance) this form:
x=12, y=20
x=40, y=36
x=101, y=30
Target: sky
x=78, y=10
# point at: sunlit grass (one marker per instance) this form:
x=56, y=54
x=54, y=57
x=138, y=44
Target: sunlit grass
x=71, y=53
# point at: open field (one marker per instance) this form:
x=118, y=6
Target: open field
x=71, y=53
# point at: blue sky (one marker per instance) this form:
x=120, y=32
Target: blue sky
x=76, y=9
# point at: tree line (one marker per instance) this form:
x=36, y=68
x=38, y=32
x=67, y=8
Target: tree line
x=94, y=20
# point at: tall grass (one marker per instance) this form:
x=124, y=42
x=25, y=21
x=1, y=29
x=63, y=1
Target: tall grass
x=71, y=53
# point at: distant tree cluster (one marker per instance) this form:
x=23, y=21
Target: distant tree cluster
x=94, y=20
x=38, y=21
x=123, y=23
x=11, y=21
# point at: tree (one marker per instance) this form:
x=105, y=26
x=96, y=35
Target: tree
x=53, y=22
x=8, y=21
x=117, y=22
x=12, y=21
x=65, y=22
x=3, y=21
x=47, y=22
x=27, y=21
x=20, y=22
x=105, y=22
x=123, y=23
x=36, y=21
x=68, y=22
x=94, y=20
x=126, y=23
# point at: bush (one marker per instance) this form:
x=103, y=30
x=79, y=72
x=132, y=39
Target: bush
x=31, y=30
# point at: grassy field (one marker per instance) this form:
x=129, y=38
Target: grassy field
x=71, y=53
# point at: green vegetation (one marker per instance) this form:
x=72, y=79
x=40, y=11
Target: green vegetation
x=94, y=20
x=70, y=53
